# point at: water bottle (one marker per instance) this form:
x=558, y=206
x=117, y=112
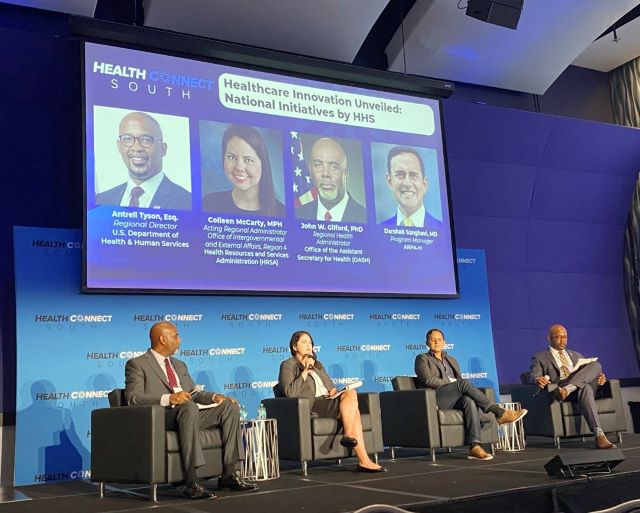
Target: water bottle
x=243, y=412
x=262, y=412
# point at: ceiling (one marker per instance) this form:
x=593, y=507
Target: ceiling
x=433, y=38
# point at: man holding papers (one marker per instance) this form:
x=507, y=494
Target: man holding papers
x=156, y=377
x=577, y=377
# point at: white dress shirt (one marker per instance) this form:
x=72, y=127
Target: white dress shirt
x=336, y=212
x=150, y=187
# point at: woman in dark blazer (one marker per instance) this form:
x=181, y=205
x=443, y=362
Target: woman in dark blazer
x=303, y=375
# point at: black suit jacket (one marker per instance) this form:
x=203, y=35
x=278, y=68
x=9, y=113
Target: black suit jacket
x=544, y=364
x=353, y=213
x=430, y=375
x=169, y=195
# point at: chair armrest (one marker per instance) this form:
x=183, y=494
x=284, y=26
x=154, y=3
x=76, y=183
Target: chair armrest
x=369, y=402
x=293, y=415
x=410, y=418
x=612, y=389
x=544, y=417
x=128, y=444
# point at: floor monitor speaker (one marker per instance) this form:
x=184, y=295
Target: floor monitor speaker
x=572, y=464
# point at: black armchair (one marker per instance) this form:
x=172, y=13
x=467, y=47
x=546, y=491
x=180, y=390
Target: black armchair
x=304, y=437
x=129, y=444
x=549, y=417
x=411, y=418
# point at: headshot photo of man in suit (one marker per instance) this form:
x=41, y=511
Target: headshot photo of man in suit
x=408, y=182
x=142, y=150
x=556, y=364
x=156, y=377
x=329, y=172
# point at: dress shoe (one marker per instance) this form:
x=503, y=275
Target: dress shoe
x=478, y=453
x=236, y=484
x=603, y=443
x=196, y=491
x=347, y=441
x=510, y=416
x=360, y=468
x=561, y=393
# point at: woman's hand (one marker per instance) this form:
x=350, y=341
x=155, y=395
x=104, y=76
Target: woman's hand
x=333, y=392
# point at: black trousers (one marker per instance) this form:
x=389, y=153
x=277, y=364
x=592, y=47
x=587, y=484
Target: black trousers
x=462, y=395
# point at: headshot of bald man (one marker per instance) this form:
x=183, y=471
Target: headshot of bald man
x=329, y=172
x=142, y=149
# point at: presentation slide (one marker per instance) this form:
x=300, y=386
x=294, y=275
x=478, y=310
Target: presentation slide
x=212, y=178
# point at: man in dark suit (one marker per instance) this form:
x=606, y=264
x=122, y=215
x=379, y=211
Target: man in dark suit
x=436, y=369
x=157, y=378
x=330, y=175
x=557, y=364
x=142, y=149
x=408, y=183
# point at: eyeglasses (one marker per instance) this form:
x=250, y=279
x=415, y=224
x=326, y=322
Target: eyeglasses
x=146, y=141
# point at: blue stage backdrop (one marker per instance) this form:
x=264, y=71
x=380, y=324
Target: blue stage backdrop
x=72, y=347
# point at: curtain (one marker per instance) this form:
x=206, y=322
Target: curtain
x=625, y=94
x=632, y=267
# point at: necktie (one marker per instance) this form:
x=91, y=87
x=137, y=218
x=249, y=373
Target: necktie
x=171, y=376
x=136, y=192
x=327, y=216
x=407, y=222
x=565, y=364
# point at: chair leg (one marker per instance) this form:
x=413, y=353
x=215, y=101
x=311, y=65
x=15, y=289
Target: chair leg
x=433, y=454
x=375, y=458
x=583, y=439
x=557, y=442
x=304, y=468
x=619, y=433
x=154, y=492
x=339, y=461
x=392, y=451
x=449, y=450
x=101, y=490
x=493, y=449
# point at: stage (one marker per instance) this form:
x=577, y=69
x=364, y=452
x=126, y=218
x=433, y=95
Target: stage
x=514, y=482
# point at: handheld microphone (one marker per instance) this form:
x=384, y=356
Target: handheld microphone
x=535, y=394
x=310, y=355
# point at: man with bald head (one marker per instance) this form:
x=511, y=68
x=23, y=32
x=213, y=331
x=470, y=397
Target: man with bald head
x=557, y=365
x=142, y=149
x=157, y=378
x=330, y=175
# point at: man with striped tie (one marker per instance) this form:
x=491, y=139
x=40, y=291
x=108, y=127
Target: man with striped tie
x=557, y=364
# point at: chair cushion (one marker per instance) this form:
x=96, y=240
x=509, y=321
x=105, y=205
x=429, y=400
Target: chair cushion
x=456, y=418
x=209, y=439
x=325, y=426
x=569, y=408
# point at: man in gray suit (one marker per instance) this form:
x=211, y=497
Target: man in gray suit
x=436, y=369
x=557, y=365
x=157, y=378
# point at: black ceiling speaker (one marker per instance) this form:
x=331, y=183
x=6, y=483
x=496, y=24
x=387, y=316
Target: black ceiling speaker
x=573, y=464
x=505, y=13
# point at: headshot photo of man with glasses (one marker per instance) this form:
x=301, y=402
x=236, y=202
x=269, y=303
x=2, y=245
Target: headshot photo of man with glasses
x=142, y=149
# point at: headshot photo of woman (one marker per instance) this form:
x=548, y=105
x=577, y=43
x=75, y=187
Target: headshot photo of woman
x=303, y=375
x=247, y=168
